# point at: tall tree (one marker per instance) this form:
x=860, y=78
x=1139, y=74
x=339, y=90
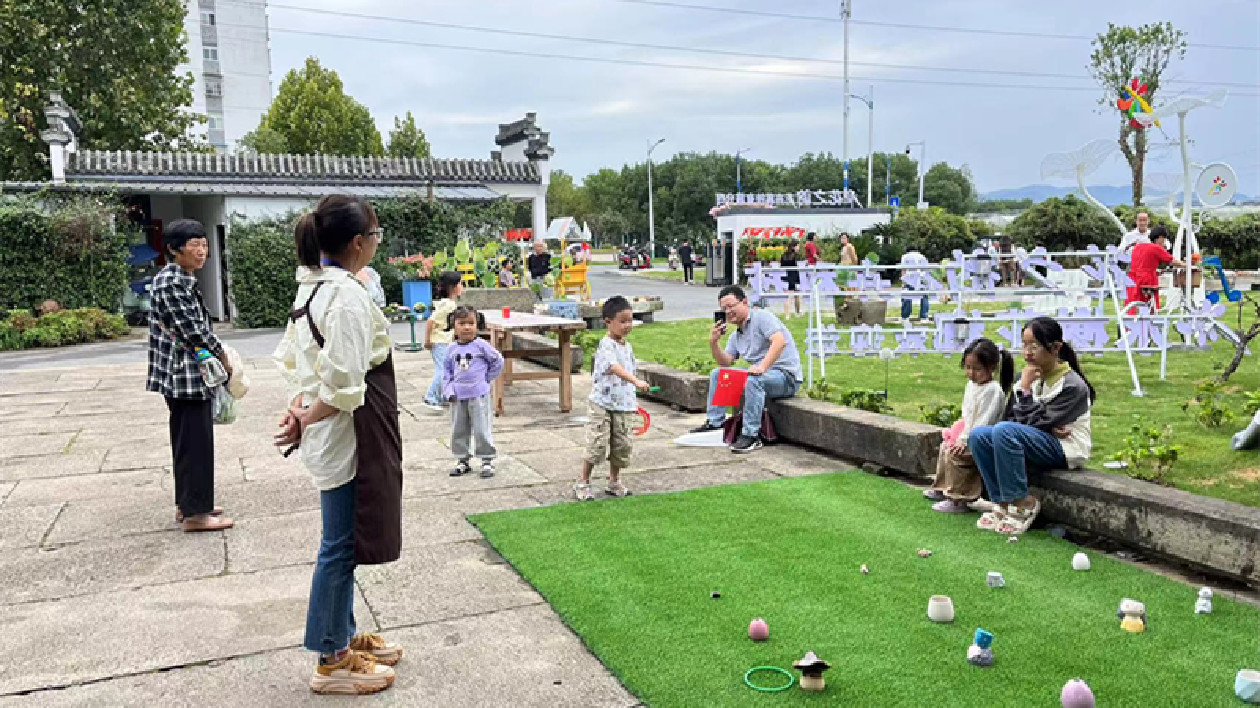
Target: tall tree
x=949, y=188
x=264, y=141
x=406, y=139
x=113, y=62
x=564, y=198
x=1124, y=53
x=315, y=115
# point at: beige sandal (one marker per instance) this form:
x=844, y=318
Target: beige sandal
x=179, y=515
x=206, y=522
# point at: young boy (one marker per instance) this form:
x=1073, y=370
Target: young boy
x=613, y=405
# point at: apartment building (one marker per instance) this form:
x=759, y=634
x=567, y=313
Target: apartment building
x=229, y=55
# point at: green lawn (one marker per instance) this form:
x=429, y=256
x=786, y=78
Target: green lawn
x=664, y=274
x=1208, y=465
x=633, y=578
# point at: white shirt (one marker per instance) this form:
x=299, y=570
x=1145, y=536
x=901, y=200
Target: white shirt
x=608, y=390
x=982, y=405
x=356, y=338
x=1133, y=238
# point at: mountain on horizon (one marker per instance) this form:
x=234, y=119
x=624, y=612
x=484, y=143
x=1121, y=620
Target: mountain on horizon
x=1111, y=195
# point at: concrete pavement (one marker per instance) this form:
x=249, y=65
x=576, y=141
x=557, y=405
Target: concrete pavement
x=105, y=602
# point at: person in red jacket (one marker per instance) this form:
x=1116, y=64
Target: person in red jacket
x=1144, y=269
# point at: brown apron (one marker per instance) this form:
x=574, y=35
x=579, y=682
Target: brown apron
x=378, y=459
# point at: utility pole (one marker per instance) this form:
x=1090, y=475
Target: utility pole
x=922, y=168
x=846, y=11
x=651, y=214
x=870, y=139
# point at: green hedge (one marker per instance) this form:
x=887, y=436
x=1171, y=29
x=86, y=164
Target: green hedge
x=22, y=330
x=66, y=250
x=262, y=257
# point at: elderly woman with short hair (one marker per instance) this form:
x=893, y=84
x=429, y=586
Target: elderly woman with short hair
x=179, y=325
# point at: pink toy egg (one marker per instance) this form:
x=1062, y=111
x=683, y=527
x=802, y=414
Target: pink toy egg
x=1076, y=694
x=758, y=630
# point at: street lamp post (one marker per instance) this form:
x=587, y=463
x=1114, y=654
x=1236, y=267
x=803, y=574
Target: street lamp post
x=922, y=159
x=870, y=139
x=651, y=213
x=846, y=11
x=739, y=185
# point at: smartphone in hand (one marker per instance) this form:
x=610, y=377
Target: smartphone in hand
x=719, y=318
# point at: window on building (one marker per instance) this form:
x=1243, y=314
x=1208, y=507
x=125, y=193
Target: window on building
x=207, y=17
x=215, y=122
x=211, y=53
x=214, y=88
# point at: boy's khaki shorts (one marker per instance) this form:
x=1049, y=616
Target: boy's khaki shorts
x=608, y=436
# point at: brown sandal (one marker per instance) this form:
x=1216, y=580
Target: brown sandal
x=206, y=522
x=179, y=515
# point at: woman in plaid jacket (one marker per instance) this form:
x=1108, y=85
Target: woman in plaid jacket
x=179, y=324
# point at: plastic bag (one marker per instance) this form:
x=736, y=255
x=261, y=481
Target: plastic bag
x=238, y=384
x=224, y=406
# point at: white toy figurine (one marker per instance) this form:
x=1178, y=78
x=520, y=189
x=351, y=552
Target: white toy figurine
x=1203, y=606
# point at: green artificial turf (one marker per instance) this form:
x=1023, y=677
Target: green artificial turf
x=1208, y=465
x=633, y=578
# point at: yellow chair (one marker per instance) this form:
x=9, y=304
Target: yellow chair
x=468, y=276
x=573, y=279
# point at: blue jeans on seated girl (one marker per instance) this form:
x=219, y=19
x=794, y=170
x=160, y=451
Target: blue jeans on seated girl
x=775, y=383
x=434, y=394
x=1004, y=453
x=330, y=615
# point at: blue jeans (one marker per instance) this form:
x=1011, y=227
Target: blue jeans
x=1005, y=451
x=434, y=394
x=330, y=615
x=775, y=383
x=907, y=305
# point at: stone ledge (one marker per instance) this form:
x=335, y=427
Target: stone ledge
x=1214, y=535
x=528, y=340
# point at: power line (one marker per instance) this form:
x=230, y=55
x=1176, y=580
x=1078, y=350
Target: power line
x=697, y=50
x=666, y=65
x=896, y=25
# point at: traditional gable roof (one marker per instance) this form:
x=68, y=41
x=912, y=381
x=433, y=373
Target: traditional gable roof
x=189, y=167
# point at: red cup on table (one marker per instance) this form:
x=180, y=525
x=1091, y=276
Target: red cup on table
x=507, y=312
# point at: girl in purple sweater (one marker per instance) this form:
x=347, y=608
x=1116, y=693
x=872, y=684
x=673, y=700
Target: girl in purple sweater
x=471, y=364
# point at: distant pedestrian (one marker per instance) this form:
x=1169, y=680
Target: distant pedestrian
x=686, y=257
x=1144, y=270
x=910, y=278
x=792, y=278
x=539, y=265
x=179, y=328
x=811, y=249
x=1140, y=234
x=438, y=335
x=848, y=254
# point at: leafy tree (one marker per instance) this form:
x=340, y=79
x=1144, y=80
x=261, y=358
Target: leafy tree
x=406, y=139
x=1123, y=53
x=1067, y=224
x=933, y=232
x=316, y=116
x=264, y=141
x=566, y=199
x=114, y=63
x=949, y=188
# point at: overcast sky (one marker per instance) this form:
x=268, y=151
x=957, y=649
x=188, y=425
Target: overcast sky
x=602, y=114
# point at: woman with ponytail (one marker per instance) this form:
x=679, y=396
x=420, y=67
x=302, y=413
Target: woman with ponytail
x=1047, y=428
x=339, y=375
x=990, y=372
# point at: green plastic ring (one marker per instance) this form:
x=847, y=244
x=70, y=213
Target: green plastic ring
x=775, y=689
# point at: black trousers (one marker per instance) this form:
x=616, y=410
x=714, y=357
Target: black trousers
x=689, y=272
x=192, y=454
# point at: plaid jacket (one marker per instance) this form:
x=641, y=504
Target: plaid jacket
x=178, y=323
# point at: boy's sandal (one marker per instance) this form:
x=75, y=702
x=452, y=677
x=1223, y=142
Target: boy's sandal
x=617, y=490
x=583, y=492
x=1019, y=520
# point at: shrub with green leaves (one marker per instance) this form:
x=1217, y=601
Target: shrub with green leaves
x=22, y=330
x=72, y=250
x=942, y=414
x=865, y=399
x=1147, y=452
x=1208, y=405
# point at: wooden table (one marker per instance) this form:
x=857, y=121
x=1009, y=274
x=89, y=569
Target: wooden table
x=501, y=329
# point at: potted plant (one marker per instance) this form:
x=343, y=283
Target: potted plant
x=415, y=271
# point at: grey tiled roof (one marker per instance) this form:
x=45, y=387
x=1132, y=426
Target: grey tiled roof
x=115, y=165
x=311, y=190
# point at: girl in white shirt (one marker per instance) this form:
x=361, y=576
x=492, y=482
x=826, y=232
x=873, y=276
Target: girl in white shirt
x=339, y=377
x=958, y=481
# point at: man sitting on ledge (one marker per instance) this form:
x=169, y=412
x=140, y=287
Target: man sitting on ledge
x=765, y=343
